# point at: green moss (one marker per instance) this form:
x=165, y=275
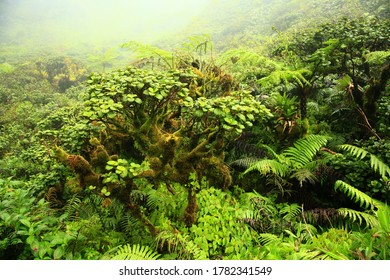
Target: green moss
x=61, y=155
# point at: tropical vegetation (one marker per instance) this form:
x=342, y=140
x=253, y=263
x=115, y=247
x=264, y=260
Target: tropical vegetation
x=256, y=141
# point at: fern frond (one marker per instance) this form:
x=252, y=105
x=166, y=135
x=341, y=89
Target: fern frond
x=148, y=51
x=377, y=57
x=343, y=82
x=304, y=175
x=284, y=76
x=179, y=243
x=379, y=166
x=268, y=238
x=243, y=162
x=271, y=151
x=383, y=214
x=249, y=149
x=356, y=195
x=246, y=57
x=376, y=164
x=138, y=195
x=305, y=149
x=266, y=166
x=258, y=201
x=135, y=252
x=321, y=216
x=128, y=223
x=282, y=184
x=290, y=211
x=358, y=216
x=71, y=208
x=355, y=151
x=154, y=199
x=334, y=256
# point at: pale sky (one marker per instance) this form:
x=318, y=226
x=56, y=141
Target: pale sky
x=57, y=21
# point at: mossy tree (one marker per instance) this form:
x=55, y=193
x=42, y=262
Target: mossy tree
x=163, y=126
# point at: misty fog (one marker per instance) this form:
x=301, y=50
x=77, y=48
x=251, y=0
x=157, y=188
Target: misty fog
x=65, y=23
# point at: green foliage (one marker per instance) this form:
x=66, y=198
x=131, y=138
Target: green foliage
x=358, y=196
x=135, y=252
x=104, y=58
x=247, y=65
x=297, y=161
x=6, y=68
x=285, y=76
x=360, y=173
x=304, y=150
x=358, y=216
x=156, y=54
x=137, y=170
x=61, y=72
x=23, y=222
x=376, y=164
x=377, y=57
x=171, y=117
x=217, y=232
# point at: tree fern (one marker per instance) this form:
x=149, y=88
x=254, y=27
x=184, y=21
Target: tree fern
x=71, y=209
x=135, y=252
x=246, y=58
x=199, y=43
x=154, y=199
x=148, y=51
x=128, y=223
x=285, y=76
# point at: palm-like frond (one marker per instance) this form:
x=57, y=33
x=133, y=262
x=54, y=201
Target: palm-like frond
x=128, y=223
x=154, y=199
x=135, y=252
x=358, y=196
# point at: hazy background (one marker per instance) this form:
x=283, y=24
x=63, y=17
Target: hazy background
x=66, y=23
x=33, y=28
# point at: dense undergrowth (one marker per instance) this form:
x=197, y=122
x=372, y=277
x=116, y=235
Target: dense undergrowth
x=196, y=154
